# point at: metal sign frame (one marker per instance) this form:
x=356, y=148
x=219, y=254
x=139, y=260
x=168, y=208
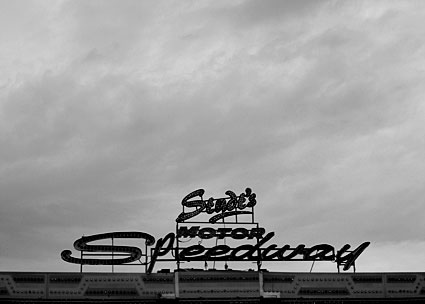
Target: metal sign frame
x=223, y=207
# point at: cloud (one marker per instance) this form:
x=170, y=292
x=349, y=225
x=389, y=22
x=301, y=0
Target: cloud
x=112, y=112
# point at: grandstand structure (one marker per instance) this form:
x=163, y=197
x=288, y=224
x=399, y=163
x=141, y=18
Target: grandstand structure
x=211, y=286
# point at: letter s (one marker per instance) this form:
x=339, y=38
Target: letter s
x=81, y=245
x=195, y=203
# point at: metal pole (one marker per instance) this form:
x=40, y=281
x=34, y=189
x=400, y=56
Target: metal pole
x=176, y=254
x=81, y=261
x=258, y=253
x=146, y=257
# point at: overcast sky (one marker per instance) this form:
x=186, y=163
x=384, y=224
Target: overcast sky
x=112, y=111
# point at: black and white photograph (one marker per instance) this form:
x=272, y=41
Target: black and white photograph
x=212, y=151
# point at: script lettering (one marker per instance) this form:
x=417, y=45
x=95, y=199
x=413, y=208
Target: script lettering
x=246, y=252
x=224, y=207
x=81, y=245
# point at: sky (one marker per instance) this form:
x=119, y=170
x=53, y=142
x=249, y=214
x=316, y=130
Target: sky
x=112, y=111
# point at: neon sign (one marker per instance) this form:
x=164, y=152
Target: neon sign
x=220, y=233
x=134, y=253
x=258, y=250
x=225, y=207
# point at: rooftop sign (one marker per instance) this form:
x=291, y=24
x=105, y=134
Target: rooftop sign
x=231, y=210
